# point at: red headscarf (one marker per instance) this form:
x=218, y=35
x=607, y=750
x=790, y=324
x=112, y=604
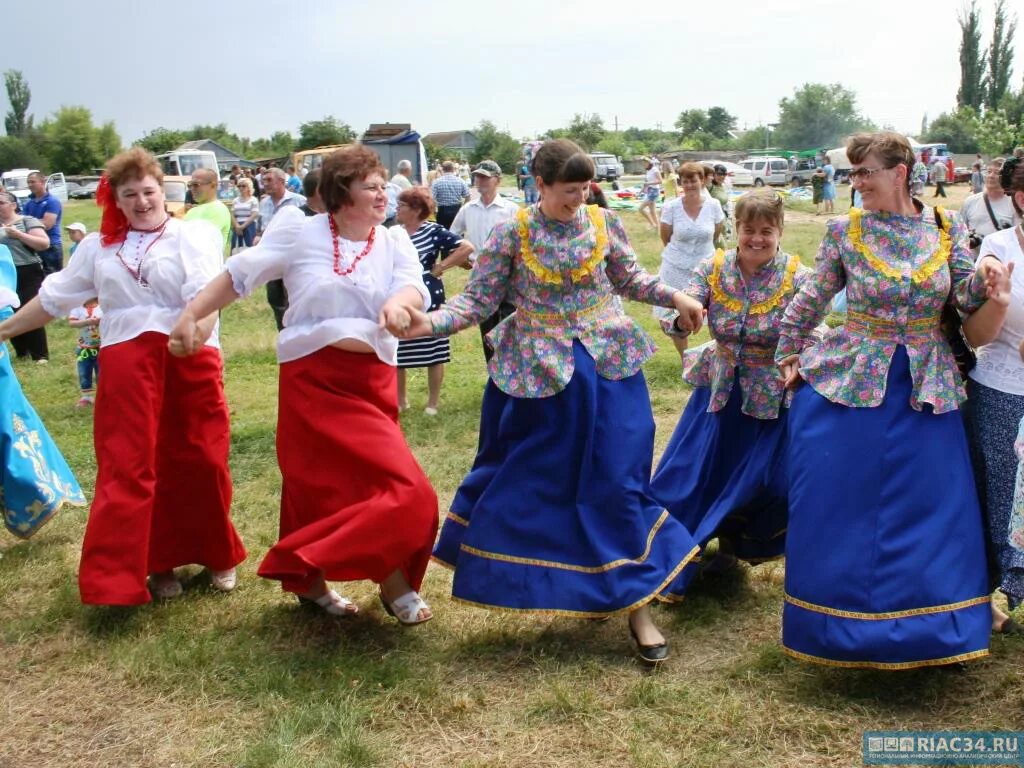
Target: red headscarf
x=114, y=224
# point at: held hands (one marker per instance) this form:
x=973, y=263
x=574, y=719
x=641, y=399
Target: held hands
x=394, y=317
x=998, y=289
x=691, y=313
x=420, y=325
x=188, y=335
x=996, y=276
x=789, y=369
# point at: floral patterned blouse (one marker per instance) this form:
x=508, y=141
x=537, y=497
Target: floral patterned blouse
x=743, y=318
x=561, y=276
x=898, y=271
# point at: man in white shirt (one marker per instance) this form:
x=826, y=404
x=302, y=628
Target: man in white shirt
x=275, y=184
x=403, y=172
x=988, y=211
x=476, y=219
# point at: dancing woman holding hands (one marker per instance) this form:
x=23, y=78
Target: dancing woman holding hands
x=722, y=474
x=162, y=434
x=354, y=502
x=556, y=516
x=885, y=557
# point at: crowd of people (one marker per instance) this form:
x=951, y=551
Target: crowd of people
x=799, y=440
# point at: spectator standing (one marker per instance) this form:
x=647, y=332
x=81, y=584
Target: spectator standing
x=475, y=220
x=206, y=206
x=311, y=189
x=668, y=181
x=529, y=186
x=828, y=190
x=86, y=319
x=989, y=211
x=940, y=171
x=47, y=208
x=449, y=193
x=919, y=177
x=275, y=181
x=76, y=233
x=26, y=238
x=245, y=210
x=650, y=194
x=403, y=174
x=294, y=182
x=977, y=179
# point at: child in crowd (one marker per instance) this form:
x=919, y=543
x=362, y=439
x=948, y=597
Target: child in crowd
x=86, y=319
x=76, y=233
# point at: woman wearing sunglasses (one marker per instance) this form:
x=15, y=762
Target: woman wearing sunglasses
x=885, y=553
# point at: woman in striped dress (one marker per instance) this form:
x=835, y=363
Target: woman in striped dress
x=439, y=250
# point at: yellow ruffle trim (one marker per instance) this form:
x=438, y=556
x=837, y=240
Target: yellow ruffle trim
x=919, y=275
x=758, y=308
x=554, y=276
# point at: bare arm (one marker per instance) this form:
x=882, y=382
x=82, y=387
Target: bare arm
x=36, y=238
x=28, y=318
x=459, y=256
x=49, y=220
x=195, y=324
x=982, y=327
x=665, y=230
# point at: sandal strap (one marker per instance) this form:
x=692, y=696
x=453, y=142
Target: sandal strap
x=408, y=607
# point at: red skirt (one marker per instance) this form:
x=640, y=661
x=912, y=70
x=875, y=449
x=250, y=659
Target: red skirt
x=163, y=488
x=354, y=502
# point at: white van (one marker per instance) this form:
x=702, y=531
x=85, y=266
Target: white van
x=606, y=167
x=184, y=162
x=16, y=182
x=768, y=170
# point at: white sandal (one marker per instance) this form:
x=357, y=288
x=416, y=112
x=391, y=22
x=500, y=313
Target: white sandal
x=407, y=608
x=332, y=603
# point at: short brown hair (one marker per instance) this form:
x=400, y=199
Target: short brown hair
x=341, y=169
x=892, y=149
x=761, y=205
x=562, y=160
x=420, y=200
x=133, y=164
x=690, y=170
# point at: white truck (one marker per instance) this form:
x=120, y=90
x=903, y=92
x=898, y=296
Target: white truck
x=15, y=181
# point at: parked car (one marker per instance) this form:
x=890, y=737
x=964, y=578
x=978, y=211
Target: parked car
x=85, y=192
x=72, y=186
x=736, y=174
x=805, y=168
x=768, y=170
x=175, y=188
x=608, y=167
x=960, y=174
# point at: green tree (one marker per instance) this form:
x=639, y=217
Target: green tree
x=957, y=129
x=18, y=153
x=72, y=145
x=107, y=140
x=492, y=144
x=17, y=122
x=614, y=144
x=817, y=115
x=720, y=123
x=691, y=121
x=161, y=140
x=279, y=144
x=587, y=130
x=1000, y=56
x=972, y=59
x=328, y=130
x=995, y=134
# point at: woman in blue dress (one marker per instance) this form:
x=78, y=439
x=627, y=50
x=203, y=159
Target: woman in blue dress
x=556, y=516
x=722, y=474
x=36, y=480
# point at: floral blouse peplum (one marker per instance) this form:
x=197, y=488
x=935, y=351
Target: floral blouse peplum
x=743, y=318
x=562, y=277
x=899, y=272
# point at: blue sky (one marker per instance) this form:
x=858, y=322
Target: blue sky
x=447, y=64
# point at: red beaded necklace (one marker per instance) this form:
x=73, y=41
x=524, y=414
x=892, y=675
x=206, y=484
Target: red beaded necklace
x=137, y=271
x=337, y=249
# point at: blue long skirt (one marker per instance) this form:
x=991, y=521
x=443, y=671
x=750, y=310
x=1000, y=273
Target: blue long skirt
x=723, y=475
x=885, y=557
x=556, y=514
x=36, y=480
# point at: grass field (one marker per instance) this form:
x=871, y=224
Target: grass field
x=249, y=679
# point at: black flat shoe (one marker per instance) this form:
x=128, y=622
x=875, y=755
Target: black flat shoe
x=652, y=655
x=1009, y=627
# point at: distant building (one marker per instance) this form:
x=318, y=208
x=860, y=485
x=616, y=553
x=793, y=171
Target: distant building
x=225, y=157
x=461, y=142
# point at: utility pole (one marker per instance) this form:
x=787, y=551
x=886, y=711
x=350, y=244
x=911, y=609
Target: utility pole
x=616, y=123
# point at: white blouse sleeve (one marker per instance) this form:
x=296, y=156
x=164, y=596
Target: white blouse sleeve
x=262, y=263
x=75, y=284
x=201, y=247
x=407, y=268
x=717, y=212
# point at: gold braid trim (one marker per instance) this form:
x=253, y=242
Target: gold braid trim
x=554, y=276
x=919, y=275
x=970, y=656
x=758, y=308
x=889, y=614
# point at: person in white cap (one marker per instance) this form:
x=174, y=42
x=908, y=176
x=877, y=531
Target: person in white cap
x=76, y=233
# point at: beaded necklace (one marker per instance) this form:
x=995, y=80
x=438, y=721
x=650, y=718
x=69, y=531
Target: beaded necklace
x=337, y=249
x=136, y=272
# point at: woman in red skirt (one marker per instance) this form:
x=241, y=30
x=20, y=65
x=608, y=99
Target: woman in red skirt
x=163, y=488
x=354, y=502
